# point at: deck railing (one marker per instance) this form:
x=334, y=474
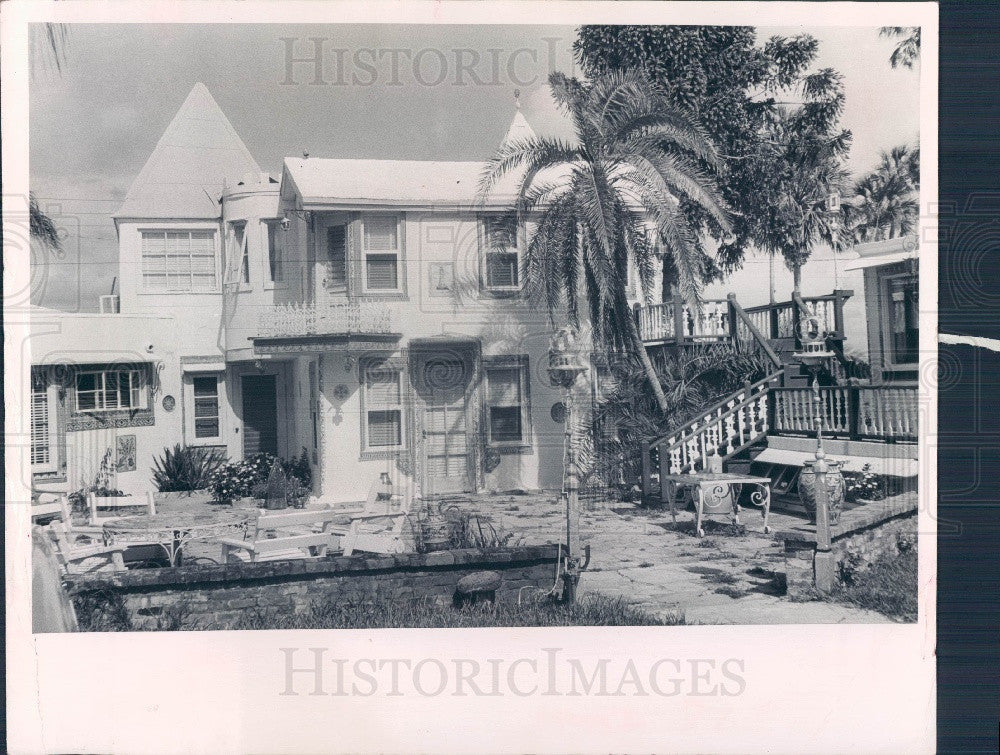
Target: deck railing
x=289, y=320
x=663, y=321
x=877, y=412
x=714, y=320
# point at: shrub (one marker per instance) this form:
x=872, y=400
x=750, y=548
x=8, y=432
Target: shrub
x=238, y=479
x=186, y=468
x=888, y=586
x=298, y=468
x=865, y=485
x=101, y=486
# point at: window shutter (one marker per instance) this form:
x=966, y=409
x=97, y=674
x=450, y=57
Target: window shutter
x=382, y=387
x=336, y=249
x=382, y=271
x=40, y=426
x=385, y=428
x=381, y=233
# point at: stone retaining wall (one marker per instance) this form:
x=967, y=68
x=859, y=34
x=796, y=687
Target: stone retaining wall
x=208, y=595
x=863, y=535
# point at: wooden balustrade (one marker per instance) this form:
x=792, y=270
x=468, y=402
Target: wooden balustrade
x=294, y=319
x=663, y=321
x=781, y=319
x=849, y=411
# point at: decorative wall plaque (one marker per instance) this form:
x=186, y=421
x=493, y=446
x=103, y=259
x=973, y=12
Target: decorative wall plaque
x=169, y=402
x=341, y=392
x=126, y=454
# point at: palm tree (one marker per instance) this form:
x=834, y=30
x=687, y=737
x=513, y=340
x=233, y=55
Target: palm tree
x=635, y=157
x=907, y=49
x=800, y=169
x=48, y=45
x=41, y=225
x=885, y=203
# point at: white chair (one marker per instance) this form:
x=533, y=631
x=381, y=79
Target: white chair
x=140, y=504
x=282, y=536
x=76, y=558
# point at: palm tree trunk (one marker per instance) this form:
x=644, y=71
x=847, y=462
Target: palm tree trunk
x=647, y=364
x=797, y=278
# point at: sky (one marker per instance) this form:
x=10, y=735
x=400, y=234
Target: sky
x=384, y=91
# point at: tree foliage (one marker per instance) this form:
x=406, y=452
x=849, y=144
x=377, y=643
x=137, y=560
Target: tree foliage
x=885, y=202
x=634, y=156
x=907, y=50
x=774, y=121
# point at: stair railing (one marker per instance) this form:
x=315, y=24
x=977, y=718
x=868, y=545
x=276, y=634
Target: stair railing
x=742, y=324
x=732, y=424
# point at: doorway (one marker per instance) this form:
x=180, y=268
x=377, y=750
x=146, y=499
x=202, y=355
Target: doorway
x=260, y=414
x=442, y=380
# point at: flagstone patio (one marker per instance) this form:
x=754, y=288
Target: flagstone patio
x=726, y=577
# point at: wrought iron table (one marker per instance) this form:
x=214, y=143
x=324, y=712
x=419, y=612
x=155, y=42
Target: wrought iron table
x=715, y=493
x=173, y=531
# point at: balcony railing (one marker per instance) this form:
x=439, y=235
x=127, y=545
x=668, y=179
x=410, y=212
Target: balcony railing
x=714, y=320
x=878, y=412
x=662, y=321
x=291, y=320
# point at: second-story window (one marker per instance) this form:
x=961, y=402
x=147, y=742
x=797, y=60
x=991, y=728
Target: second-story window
x=240, y=251
x=275, y=251
x=502, y=258
x=382, y=252
x=178, y=261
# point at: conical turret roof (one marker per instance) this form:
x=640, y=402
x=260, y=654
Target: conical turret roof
x=183, y=178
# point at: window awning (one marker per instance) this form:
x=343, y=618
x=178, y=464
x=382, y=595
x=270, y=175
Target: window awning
x=203, y=367
x=891, y=466
x=885, y=259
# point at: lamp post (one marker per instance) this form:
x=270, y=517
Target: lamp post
x=814, y=353
x=565, y=366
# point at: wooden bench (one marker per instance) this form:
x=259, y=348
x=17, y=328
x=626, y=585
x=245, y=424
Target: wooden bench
x=300, y=534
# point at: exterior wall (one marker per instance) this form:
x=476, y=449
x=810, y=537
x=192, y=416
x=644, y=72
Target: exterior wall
x=197, y=316
x=207, y=597
x=60, y=344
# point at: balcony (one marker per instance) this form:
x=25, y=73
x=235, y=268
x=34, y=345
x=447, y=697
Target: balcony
x=303, y=327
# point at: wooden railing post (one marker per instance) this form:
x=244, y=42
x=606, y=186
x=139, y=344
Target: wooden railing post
x=733, y=334
x=772, y=323
x=838, y=311
x=647, y=474
x=853, y=409
x=680, y=322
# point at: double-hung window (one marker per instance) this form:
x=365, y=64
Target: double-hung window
x=43, y=426
x=383, y=253
x=109, y=390
x=384, y=416
x=178, y=261
x=205, y=389
x=275, y=251
x=503, y=257
x=507, y=410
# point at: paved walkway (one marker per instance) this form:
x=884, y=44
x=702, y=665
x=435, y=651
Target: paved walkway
x=727, y=577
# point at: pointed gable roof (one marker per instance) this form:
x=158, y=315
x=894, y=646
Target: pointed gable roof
x=519, y=130
x=183, y=178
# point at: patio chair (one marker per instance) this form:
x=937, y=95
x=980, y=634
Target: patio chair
x=379, y=533
x=75, y=558
x=138, y=504
x=283, y=536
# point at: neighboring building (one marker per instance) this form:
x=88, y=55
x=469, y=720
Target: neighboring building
x=892, y=301
x=370, y=312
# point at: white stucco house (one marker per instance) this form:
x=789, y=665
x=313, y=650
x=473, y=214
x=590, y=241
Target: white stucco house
x=351, y=308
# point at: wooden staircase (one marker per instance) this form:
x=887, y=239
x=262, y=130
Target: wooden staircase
x=780, y=403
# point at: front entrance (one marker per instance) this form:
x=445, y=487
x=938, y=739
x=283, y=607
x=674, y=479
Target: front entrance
x=442, y=380
x=260, y=414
